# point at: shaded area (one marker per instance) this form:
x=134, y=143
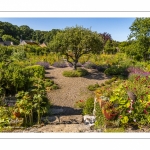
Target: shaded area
x=64, y=110
x=94, y=74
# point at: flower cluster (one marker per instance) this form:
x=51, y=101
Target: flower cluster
x=137, y=71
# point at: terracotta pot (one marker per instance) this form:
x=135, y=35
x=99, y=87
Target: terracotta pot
x=109, y=115
x=16, y=114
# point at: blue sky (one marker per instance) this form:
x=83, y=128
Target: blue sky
x=117, y=27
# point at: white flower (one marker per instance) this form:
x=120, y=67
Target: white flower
x=130, y=111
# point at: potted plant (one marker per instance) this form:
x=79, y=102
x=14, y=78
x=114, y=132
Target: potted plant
x=109, y=111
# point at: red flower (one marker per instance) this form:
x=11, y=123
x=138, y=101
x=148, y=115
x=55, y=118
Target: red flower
x=81, y=100
x=146, y=93
x=145, y=111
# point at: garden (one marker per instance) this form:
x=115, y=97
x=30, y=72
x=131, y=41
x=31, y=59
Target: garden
x=121, y=102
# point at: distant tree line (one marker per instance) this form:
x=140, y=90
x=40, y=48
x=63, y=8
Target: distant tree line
x=14, y=33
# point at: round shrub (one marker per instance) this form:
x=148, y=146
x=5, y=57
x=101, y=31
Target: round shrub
x=44, y=64
x=89, y=65
x=93, y=87
x=115, y=70
x=54, y=87
x=75, y=73
x=60, y=64
x=34, y=71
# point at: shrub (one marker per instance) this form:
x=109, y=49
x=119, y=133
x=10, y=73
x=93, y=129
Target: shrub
x=89, y=106
x=44, y=64
x=114, y=70
x=54, y=87
x=60, y=64
x=75, y=73
x=110, y=80
x=89, y=65
x=93, y=87
x=137, y=71
x=35, y=71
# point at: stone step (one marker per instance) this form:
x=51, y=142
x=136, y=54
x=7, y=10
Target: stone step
x=69, y=119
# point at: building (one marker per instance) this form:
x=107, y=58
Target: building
x=43, y=45
x=25, y=42
x=5, y=43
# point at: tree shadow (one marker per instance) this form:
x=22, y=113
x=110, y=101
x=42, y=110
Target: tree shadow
x=63, y=110
x=96, y=75
x=49, y=78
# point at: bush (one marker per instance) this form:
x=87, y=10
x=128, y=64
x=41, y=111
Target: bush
x=75, y=73
x=89, y=65
x=93, y=87
x=44, y=64
x=89, y=106
x=114, y=70
x=35, y=71
x=59, y=64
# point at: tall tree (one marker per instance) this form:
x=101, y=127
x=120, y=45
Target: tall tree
x=105, y=36
x=9, y=38
x=75, y=42
x=140, y=32
x=26, y=32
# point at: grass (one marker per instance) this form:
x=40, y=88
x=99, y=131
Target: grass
x=75, y=73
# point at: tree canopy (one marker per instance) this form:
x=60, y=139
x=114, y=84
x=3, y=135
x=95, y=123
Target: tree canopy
x=73, y=42
x=140, y=32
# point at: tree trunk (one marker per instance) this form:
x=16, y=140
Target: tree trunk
x=75, y=65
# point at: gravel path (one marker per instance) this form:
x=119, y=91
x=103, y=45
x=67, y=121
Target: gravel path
x=72, y=88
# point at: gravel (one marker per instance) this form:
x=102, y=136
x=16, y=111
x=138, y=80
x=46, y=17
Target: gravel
x=72, y=88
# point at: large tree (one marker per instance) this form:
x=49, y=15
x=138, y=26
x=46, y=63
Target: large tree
x=140, y=33
x=9, y=38
x=74, y=42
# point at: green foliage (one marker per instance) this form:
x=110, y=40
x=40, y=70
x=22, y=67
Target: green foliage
x=76, y=41
x=10, y=38
x=108, y=48
x=12, y=78
x=75, y=73
x=80, y=104
x=18, y=55
x=89, y=106
x=33, y=104
x=5, y=116
x=116, y=70
x=100, y=119
x=50, y=85
x=140, y=32
x=93, y=87
x=36, y=71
